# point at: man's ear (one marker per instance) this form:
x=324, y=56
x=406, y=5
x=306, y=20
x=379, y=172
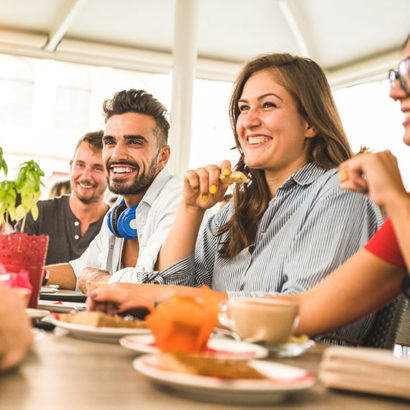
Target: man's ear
x=310, y=131
x=163, y=156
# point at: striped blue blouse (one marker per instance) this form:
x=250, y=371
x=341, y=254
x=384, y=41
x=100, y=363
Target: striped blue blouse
x=310, y=227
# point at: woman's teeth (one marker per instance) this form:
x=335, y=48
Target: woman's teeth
x=257, y=140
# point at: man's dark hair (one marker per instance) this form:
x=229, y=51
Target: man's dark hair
x=139, y=101
x=93, y=139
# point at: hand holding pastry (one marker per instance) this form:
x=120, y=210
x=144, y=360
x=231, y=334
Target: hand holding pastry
x=234, y=177
x=204, y=187
x=376, y=174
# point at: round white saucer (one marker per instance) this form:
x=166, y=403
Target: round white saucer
x=37, y=313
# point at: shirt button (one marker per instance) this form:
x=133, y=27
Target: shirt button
x=76, y=236
x=76, y=223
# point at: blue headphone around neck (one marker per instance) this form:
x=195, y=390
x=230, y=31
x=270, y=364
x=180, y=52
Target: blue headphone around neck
x=121, y=221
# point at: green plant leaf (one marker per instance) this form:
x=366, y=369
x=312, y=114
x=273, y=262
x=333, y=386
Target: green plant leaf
x=34, y=211
x=3, y=164
x=12, y=212
x=20, y=212
x=27, y=184
x=26, y=200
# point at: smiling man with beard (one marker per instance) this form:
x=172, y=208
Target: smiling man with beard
x=135, y=152
x=73, y=221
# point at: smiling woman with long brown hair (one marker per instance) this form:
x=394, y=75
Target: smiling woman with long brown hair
x=324, y=144
x=379, y=272
x=290, y=224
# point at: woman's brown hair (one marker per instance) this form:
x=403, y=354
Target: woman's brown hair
x=307, y=84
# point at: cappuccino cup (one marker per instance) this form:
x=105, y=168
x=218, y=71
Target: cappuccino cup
x=258, y=319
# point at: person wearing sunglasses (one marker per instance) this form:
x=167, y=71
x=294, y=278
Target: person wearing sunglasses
x=402, y=74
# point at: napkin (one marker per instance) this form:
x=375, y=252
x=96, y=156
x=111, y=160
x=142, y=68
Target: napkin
x=17, y=280
x=365, y=370
x=184, y=323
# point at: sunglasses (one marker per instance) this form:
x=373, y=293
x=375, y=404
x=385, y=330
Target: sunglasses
x=402, y=74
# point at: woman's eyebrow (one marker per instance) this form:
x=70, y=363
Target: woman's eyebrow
x=261, y=97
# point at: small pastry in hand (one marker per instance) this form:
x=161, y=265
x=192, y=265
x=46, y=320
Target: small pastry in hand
x=235, y=176
x=343, y=174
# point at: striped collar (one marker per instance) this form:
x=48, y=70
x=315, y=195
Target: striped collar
x=305, y=175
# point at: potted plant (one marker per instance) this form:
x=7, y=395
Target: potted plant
x=18, y=250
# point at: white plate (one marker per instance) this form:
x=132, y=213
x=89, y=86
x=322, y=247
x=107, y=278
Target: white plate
x=97, y=334
x=290, y=349
x=282, y=380
x=221, y=348
x=60, y=307
x=48, y=289
x=37, y=313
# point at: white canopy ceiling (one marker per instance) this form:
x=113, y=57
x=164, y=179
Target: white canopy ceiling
x=349, y=38
x=353, y=40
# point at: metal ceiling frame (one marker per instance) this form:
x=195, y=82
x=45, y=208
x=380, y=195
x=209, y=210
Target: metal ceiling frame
x=86, y=52
x=72, y=7
x=297, y=26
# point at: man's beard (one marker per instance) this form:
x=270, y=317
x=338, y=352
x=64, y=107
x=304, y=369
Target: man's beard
x=87, y=201
x=141, y=182
x=90, y=199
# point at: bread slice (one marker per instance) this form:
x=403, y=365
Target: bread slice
x=99, y=319
x=207, y=365
x=235, y=176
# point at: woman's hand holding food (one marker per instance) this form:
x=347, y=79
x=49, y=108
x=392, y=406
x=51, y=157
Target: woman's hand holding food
x=376, y=174
x=203, y=187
